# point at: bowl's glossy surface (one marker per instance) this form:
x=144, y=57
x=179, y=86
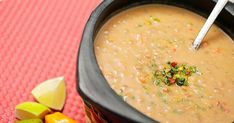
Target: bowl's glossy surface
x=102, y=102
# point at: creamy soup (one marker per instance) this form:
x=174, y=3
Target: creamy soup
x=135, y=44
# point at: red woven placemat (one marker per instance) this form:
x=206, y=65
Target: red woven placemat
x=39, y=40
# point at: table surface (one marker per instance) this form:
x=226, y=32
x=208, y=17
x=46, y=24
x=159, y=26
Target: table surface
x=39, y=40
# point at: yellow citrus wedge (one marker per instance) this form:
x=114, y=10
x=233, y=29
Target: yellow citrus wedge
x=30, y=110
x=51, y=93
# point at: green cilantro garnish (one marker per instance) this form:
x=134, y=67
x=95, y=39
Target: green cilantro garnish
x=173, y=73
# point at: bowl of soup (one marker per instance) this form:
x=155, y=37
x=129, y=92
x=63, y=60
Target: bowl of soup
x=136, y=63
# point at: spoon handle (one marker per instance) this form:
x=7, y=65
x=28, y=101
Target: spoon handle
x=215, y=12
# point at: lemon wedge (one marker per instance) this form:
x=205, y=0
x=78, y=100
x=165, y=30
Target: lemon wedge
x=51, y=93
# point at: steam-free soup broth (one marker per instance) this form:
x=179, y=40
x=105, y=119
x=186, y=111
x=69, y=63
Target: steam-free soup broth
x=146, y=56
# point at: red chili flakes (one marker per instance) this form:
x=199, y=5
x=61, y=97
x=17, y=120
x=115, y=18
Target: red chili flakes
x=174, y=49
x=172, y=81
x=188, y=73
x=204, y=44
x=218, y=50
x=173, y=64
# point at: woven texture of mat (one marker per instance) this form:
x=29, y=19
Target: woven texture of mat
x=39, y=40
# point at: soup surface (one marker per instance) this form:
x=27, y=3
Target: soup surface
x=135, y=43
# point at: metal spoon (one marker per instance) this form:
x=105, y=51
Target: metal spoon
x=215, y=12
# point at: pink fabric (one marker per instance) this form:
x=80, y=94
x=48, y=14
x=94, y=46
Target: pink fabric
x=39, y=40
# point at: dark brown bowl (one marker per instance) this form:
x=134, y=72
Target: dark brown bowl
x=102, y=103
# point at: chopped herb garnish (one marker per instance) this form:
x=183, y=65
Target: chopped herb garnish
x=154, y=19
x=133, y=97
x=139, y=25
x=173, y=73
x=149, y=21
